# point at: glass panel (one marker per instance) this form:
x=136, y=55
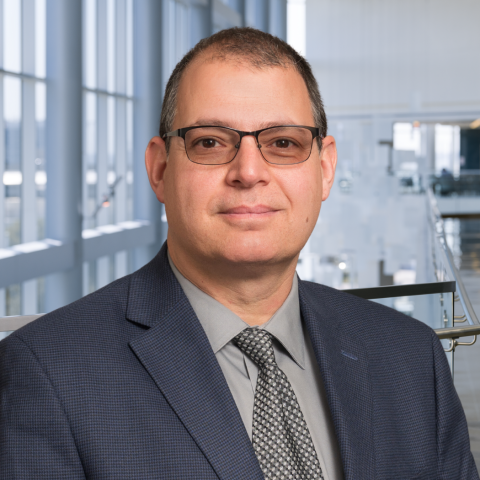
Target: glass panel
x=465, y=184
x=129, y=174
x=121, y=264
x=104, y=271
x=447, y=149
x=129, y=42
x=234, y=5
x=296, y=25
x=111, y=168
x=339, y=272
x=2, y=302
x=41, y=295
x=40, y=38
x=407, y=136
x=90, y=179
x=90, y=44
x=92, y=276
x=182, y=40
x=111, y=45
x=12, y=35
x=12, y=177
x=111, y=131
x=40, y=165
x=111, y=268
x=108, y=126
x=436, y=310
x=14, y=300
x=169, y=47
x=89, y=277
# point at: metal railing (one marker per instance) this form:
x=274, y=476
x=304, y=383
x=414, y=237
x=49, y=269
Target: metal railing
x=431, y=303
x=445, y=280
x=449, y=333
x=466, y=183
x=445, y=268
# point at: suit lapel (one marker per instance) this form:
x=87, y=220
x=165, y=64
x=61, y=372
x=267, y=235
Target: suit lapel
x=177, y=354
x=343, y=362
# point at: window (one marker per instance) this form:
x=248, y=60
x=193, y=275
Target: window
x=108, y=128
x=22, y=144
x=132, y=231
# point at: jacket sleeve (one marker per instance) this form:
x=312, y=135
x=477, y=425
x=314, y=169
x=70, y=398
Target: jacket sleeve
x=35, y=437
x=455, y=460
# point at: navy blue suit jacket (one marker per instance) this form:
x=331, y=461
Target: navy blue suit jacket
x=123, y=384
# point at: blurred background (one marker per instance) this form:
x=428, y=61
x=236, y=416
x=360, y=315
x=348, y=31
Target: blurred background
x=399, y=80
x=81, y=86
x=81, y=91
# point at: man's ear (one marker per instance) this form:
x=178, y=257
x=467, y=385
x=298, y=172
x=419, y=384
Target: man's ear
x=328, y=159
x=156, y=163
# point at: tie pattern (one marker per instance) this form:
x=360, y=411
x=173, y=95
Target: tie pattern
x=281, y=439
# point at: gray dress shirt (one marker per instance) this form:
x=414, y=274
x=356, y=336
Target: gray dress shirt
x=293, y=353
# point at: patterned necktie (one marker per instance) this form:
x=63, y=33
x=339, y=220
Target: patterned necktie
x=281, y=439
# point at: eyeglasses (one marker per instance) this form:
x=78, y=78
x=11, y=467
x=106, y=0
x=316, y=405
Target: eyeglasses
x=280, y=145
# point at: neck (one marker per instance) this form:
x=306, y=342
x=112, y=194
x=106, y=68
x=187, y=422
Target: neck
x=253, y=292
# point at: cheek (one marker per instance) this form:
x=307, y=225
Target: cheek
x=188, y=193
x=305, y=194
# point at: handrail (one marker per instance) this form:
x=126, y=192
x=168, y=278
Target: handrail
x=389, y=291
x=454, y=333
x=457, y=332
x=451, y=333
x=440, y=232
x=464, y=300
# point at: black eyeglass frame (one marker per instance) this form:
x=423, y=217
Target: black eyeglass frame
x=181, y=132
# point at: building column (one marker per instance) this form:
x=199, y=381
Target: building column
x=64, y=144
x=2, y=166
x=29, y=298
x=147, y=81
x=430, y=149
x=277, y=21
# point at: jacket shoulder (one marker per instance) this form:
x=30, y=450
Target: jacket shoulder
x=94, y=312
x=360, y=315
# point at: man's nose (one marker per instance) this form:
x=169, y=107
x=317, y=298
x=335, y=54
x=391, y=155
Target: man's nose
x=249, y=167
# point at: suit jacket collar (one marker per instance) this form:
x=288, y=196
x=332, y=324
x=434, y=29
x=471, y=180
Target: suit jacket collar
x=343, y=363
x=178, y=356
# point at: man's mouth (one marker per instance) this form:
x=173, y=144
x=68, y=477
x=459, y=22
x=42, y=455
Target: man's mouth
x=252, y=211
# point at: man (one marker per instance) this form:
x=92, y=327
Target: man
x=214, y=361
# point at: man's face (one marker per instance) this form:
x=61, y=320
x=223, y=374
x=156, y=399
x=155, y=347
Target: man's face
x=246, y=211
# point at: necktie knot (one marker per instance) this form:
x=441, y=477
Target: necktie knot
x=257, y=345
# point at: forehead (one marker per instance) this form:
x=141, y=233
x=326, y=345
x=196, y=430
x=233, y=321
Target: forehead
x=241, y=96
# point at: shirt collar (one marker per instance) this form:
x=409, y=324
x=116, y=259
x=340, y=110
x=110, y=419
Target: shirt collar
x=221, y=325
x=286, y=326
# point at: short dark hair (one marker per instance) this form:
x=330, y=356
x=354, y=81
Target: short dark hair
x=254, y=47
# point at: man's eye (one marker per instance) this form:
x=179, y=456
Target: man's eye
x=208, y=143
x=282, y=143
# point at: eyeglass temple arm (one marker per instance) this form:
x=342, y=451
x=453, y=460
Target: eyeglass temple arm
x=175, y=133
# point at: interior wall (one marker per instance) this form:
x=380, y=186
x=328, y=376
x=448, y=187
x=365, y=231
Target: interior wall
x=395, y=56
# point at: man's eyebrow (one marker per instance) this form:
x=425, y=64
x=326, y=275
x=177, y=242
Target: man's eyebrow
x=224, y=123
x=211, y=121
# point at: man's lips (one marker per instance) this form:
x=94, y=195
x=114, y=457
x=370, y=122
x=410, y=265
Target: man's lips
x=246, y=210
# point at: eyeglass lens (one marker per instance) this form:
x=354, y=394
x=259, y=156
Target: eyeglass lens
x=218, y=145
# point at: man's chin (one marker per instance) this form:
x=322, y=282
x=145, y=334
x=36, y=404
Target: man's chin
x=250, y=256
